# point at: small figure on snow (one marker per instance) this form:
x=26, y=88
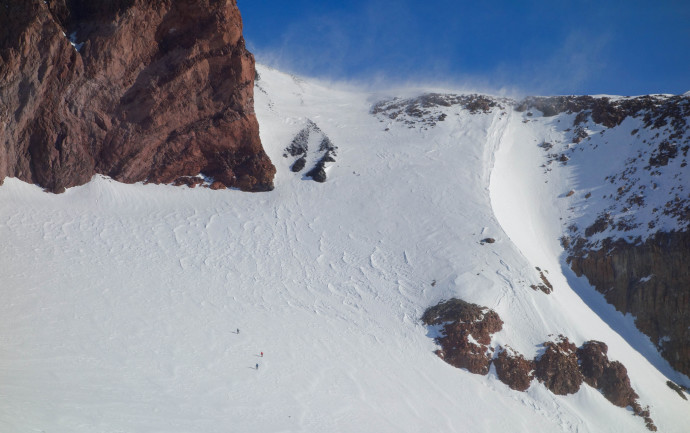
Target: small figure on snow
x=257, y=366
x=262, y=354
x=238, y=330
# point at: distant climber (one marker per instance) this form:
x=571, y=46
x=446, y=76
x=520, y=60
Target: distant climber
x=238, y=330
x=257, y=366
x=262, y=354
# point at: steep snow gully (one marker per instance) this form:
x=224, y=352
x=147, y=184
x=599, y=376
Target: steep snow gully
x=531, y=210
x=121, y=302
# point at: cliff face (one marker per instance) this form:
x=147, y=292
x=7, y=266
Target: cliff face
x=651, y=281
x=628, y=228
x=136, y=90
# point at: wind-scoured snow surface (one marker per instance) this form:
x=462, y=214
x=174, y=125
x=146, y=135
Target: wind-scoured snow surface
x=121, y=302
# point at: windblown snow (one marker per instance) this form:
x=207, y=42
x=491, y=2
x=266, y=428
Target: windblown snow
x=122, y=302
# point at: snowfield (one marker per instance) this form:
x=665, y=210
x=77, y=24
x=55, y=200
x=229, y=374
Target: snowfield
x=122, y=302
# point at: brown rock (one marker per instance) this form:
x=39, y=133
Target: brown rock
x=514, y=370
x=593, y=361
x=217, y=185
x=158, y=90
x=460, y=352
x=190, y=181
x=611, y=378
x=467, y=330
x=557, y=368
x=615, y=385
x=651, y=281
x=466, y=334
x=644, y=413
x=545, y=285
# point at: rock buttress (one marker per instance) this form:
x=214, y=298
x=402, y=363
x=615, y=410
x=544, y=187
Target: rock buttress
x=136, y=90
x=651, y=281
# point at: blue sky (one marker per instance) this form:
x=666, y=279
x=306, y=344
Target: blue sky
x=531, y=46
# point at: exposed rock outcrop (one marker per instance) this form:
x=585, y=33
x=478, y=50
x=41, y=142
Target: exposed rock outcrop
x=610, y=377
x=514, y=370
x=467, y=330
x=558, y=369
x=299, y=148
x=427, y=110
x=545, y=285
x=677, y=388
x=136, y=90
x=563, y=368
x=656, y=110
x=651, y=281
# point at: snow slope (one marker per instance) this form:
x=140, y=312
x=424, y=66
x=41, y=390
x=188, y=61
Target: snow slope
x=536, y=197
x=122, y=301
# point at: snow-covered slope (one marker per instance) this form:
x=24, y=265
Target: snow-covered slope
x=613, y=174
x=121, y=302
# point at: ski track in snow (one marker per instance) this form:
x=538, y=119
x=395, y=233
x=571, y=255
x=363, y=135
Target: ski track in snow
x=122, y=301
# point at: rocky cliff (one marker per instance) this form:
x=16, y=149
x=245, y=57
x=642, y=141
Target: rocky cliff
x=136, y=90
x=651, y=281
x=628, y=221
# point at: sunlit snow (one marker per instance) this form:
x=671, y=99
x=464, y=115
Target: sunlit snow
x=122, y=302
